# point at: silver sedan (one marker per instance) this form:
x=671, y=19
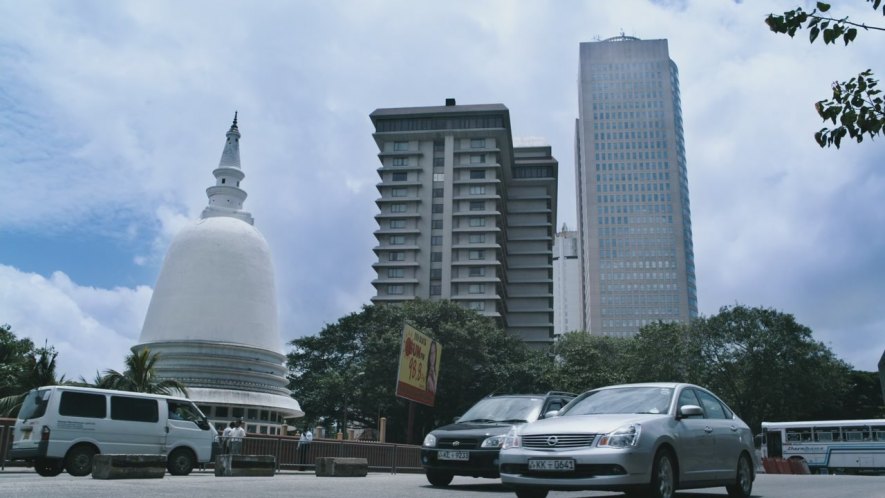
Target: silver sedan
x=643, y=439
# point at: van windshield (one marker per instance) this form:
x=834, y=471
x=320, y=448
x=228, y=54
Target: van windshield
x=34, y=405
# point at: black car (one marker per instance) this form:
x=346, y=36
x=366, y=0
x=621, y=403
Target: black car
x=470, y=446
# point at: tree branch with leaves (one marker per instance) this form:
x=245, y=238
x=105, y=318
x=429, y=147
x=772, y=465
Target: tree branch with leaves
x=856, y=108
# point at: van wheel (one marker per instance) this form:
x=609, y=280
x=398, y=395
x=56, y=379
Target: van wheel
x=180, y=462
x=48, y=467
x=78, y=461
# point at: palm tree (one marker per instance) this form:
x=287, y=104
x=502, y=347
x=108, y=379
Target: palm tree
x=140, y=376
x=39, y=371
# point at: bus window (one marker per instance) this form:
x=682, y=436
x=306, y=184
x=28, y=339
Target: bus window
x=798, y=435
x=827, y=434
x=856, y=433
x=879, y=433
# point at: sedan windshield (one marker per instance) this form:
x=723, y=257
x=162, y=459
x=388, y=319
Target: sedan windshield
x=507, y=410
x=622, y=400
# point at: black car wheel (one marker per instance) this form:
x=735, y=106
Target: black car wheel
x=48, y=467
x=531, y=493
x=663, y=476
x=439, y=478
x=180, y=462
x=78, y=461
x=743, y=485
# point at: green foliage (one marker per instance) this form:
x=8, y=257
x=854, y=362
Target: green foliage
x=666, y=352
x=864, y=399
x=13, y=360
x=140, y=376
x=584, y=361
x=856, y=107
x=35, y=368
x=348, y=371
x=769, y=367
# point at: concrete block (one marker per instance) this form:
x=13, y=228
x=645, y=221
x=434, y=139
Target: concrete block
x=245, y=465
x=341, y=467
x=128, y=466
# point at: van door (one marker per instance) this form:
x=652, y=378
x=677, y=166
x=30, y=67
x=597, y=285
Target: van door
x=135, y=426
x=186, y=426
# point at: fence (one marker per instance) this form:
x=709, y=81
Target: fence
x=382, y=457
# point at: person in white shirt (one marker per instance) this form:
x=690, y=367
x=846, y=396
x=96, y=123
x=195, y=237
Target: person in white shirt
x=303, y=445
x=236, y=438
x=225, y=438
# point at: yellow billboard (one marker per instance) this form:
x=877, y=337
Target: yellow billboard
x=418, y=366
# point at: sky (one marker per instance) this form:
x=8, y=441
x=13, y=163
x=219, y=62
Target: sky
x=113, y=116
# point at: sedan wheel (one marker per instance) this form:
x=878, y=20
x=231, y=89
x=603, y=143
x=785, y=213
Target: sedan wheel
x=439, y=478
x=743, y=485
x=531, y=493
x=663, y=477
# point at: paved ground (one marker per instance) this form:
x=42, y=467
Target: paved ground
x=17, y=483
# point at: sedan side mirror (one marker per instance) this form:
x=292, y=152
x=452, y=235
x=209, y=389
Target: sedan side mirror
x=686, y=411
x=551, y=413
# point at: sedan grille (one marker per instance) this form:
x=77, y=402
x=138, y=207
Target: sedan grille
x=558, y=441
x=458, y=443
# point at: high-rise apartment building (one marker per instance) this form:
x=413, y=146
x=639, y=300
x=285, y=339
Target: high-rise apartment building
x=634, y=221
x=567, y=299
x=465, y=215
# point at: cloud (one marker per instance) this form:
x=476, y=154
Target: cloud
x=92, y=329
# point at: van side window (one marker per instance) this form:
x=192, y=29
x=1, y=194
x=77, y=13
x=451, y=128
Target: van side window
x=134, y=409
x=89, y=405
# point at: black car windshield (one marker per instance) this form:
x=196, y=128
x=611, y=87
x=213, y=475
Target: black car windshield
x=622, y=400
x=34, y=405
x=504, y=409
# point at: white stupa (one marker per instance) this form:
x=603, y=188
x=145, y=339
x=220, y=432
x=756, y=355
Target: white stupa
x=213, y=314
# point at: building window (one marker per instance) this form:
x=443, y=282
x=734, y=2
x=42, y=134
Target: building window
x=396, y=272
x=476, y=174
x=437, y=192
x=439, y=177
x=435, y=290
x=477, y=158
x=477, y=189
x=476, y=254
x=400, y=146
x=476, y=289
x=437, y=208
x=400, y=161
x=399, y=176
x=477, y=272
x=436, y=273
x=435, y=257
x=395, y=289
x=477, y=238
x=397, y=208
x=399, y=192
x=439, y=161
x=397, y=224
x=477, y=143
x=477, y=222
x=436, y=224
x=477, y=205
x=476, y=305
x=439, y=146
x=396, y=256
x=436, y=240
x=397, y=240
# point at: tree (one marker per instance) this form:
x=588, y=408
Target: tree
x=584, y=361
x=38, y=371
x=13, y=360
x=140, y=376
x=767, y=366
x=856, y=105
x=864, y=399
x=665, y=352
x=348, y=371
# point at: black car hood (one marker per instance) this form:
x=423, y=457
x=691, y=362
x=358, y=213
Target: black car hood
x=474, y=429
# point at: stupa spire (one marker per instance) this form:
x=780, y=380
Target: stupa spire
x=226, y=197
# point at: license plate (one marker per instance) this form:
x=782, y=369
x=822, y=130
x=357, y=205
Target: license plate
x=453, y=455
x=558, y=465
x=26, y=434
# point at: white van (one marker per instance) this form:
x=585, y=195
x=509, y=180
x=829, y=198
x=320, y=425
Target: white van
x=62, y=427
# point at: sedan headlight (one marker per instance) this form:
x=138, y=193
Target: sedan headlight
x=623, y=437
x=494, y=441
x=511, y=440
x=430, y=441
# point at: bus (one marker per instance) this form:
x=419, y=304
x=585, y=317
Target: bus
x=830, y=446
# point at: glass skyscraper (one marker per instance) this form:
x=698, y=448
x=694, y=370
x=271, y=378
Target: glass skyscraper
x=634, y=219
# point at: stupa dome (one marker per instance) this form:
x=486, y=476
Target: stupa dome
x=212, y=319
